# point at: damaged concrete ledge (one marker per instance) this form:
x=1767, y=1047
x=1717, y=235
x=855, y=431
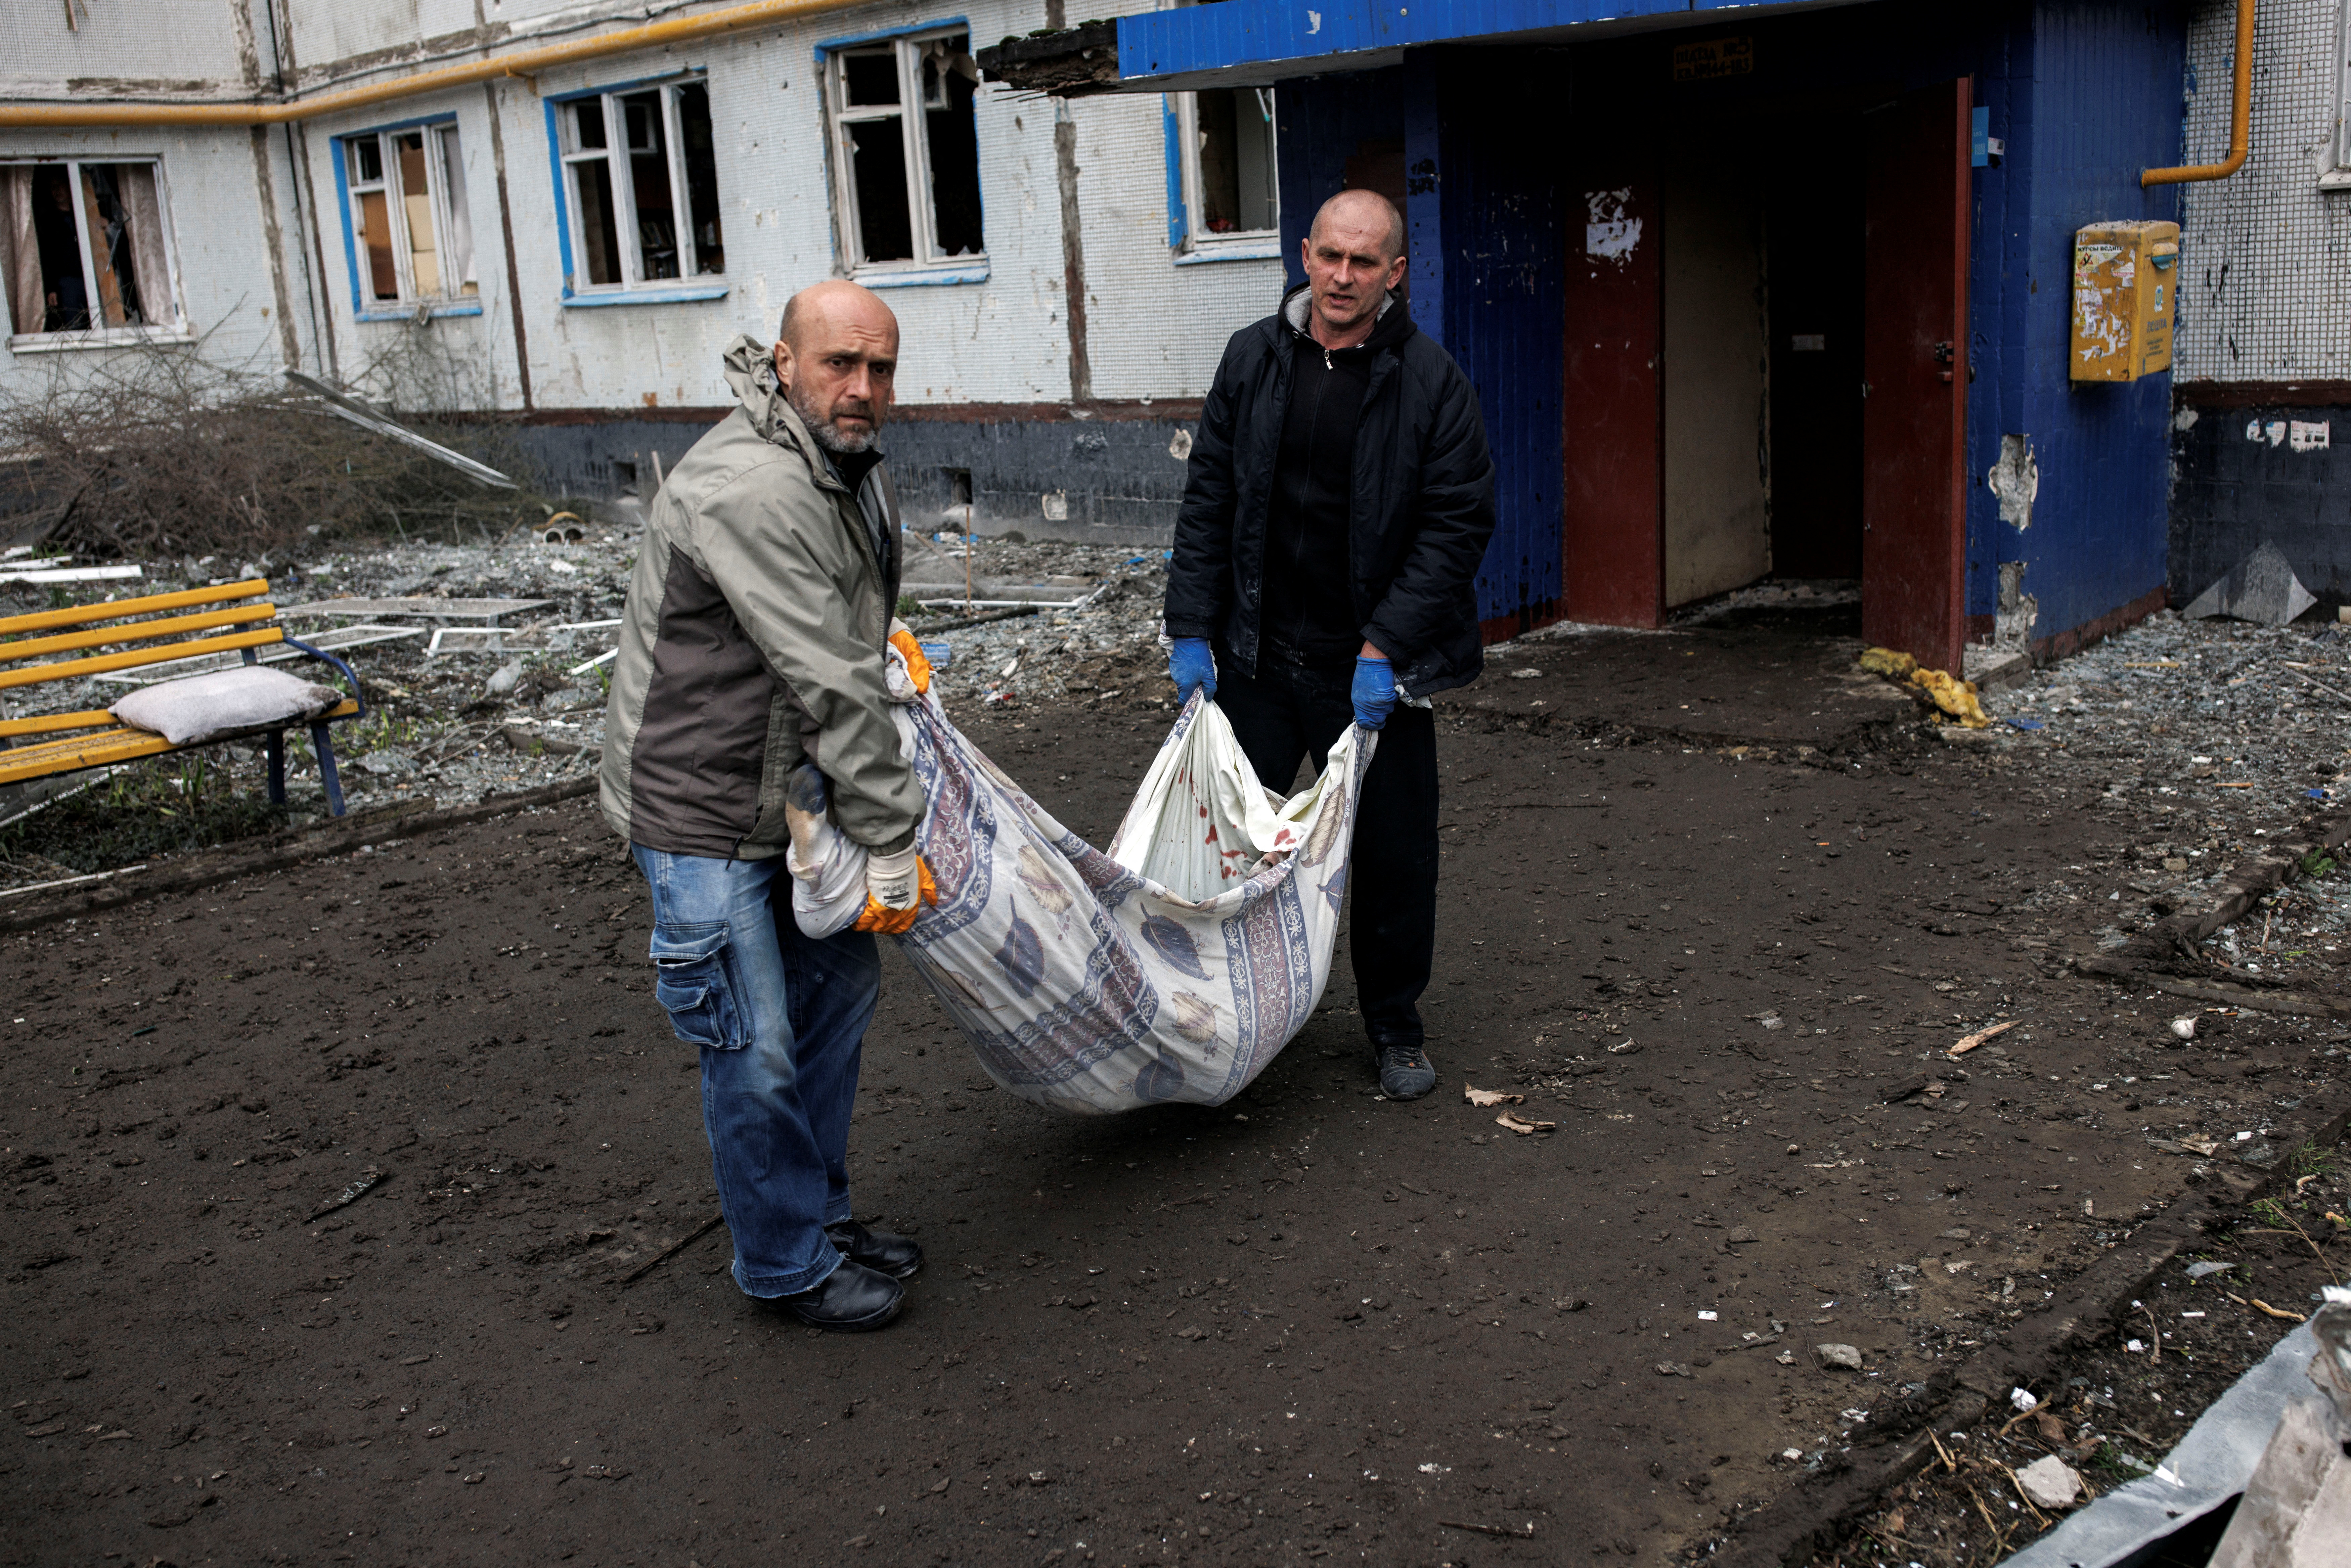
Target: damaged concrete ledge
x=1816, y=1515
x=2142, y=960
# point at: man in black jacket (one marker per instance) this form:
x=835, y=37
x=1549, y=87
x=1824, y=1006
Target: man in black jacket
x=1340, y=499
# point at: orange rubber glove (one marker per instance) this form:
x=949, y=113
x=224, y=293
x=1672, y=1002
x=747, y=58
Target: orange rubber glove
x=896, y=891
x=918, y=668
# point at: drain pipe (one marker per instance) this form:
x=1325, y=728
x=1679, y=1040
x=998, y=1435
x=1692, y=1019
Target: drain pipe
x=526, y=63
x=2241, y=115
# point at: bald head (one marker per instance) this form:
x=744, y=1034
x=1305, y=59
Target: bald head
x=835, y=300
x=1354, y=259
x=837, y=361
x=1364, y=213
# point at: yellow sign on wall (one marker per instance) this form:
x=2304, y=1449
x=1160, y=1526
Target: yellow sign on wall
x=2125, y=283
x=1714, y=58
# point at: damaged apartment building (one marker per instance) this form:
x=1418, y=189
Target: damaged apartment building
x=563, y=213
x=2261, y=431
x=1868, y=291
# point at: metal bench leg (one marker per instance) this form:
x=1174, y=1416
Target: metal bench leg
x=276, y=766
x=326, y=749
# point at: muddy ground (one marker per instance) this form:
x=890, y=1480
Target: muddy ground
x=1725, y=958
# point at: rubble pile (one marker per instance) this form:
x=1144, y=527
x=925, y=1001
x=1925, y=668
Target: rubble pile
x=517, y=701
x=2210, y=737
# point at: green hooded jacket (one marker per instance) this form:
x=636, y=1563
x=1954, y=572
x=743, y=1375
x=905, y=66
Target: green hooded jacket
x=752, y=641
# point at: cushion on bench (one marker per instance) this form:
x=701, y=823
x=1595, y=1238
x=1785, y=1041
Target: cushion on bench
x=253, y=696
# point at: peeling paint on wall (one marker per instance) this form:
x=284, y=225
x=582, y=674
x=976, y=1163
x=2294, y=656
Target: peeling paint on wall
x=2015, y=479
x=2012, y=624
x=1607, y=232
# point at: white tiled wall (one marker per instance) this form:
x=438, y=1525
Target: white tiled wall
x=2266, y=295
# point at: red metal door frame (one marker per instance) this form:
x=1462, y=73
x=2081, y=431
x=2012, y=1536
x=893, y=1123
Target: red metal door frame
x=1915, y=376
x=1611, y=491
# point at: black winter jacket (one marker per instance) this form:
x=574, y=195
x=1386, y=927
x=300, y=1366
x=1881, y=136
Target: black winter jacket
x=1422, y=511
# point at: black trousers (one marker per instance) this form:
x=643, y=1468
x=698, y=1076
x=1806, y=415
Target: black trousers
x=1288, y=712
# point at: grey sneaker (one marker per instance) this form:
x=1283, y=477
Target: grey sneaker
x=1406, y=1073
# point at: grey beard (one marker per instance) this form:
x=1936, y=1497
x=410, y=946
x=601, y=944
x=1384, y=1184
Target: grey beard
x=828, y=435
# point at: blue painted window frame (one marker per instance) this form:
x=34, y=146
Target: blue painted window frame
x=891, y=274
x=571, y=298
x=1184, y=249
x=363, y=309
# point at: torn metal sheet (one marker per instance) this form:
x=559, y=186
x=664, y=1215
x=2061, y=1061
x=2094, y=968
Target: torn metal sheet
x=2262, y=588
x=2297, y=1511
x=370, y=418
x=2210, y=1466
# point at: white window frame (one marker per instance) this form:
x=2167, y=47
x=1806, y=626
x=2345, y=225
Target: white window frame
x=174, y=330
x=1199, y=238
x=441, y=142
x=622, y=177
x=914, y=139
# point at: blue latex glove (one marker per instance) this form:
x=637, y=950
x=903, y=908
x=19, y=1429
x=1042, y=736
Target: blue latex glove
x=1189, y=664
x=1374, y=693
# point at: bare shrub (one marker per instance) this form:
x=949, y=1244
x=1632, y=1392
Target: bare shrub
x=165, y=450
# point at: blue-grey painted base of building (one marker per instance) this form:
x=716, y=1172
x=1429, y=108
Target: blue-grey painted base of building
x=1111, y=480
x=2232, y=490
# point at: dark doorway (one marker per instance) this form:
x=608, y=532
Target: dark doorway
x=1813, y=224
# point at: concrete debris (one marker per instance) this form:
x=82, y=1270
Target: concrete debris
x=545, y=613
x=2262, y=589
x=2206, y=739
x=1837, y=1357
x=2049, y=1482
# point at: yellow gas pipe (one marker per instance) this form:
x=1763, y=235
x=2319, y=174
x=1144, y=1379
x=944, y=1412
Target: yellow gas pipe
x=2241, y=116
x=525, y=62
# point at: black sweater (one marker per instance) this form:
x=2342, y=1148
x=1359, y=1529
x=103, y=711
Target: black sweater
x=1310, y=609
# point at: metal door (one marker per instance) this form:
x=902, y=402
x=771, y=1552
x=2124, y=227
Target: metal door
x=1915, y=375
x=1611, y=450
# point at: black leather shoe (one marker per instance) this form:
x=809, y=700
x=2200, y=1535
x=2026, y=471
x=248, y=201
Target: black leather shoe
x=880, y=1252
x=852, y=1298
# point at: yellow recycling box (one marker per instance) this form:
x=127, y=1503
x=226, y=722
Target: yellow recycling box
x=2125, y=278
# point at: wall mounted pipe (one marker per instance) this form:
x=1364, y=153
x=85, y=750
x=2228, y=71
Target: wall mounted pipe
x=524, y=62
x=2241, y=115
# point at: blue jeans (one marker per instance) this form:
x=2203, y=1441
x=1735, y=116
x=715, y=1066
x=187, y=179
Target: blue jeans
x=779, y=1017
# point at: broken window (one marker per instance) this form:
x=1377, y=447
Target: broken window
x=641, y=174
x=411, y=232
x=82, y=248
x=906, y=151
x=1231, y=186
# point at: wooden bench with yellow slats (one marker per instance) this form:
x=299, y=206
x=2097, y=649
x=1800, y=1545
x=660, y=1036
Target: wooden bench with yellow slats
x=221, y=623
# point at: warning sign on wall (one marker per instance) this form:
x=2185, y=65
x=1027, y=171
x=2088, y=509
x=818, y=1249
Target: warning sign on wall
x=1714, y=58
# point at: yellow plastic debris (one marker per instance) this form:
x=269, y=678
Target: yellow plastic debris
x=1885, y=662
x=1957, y=698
